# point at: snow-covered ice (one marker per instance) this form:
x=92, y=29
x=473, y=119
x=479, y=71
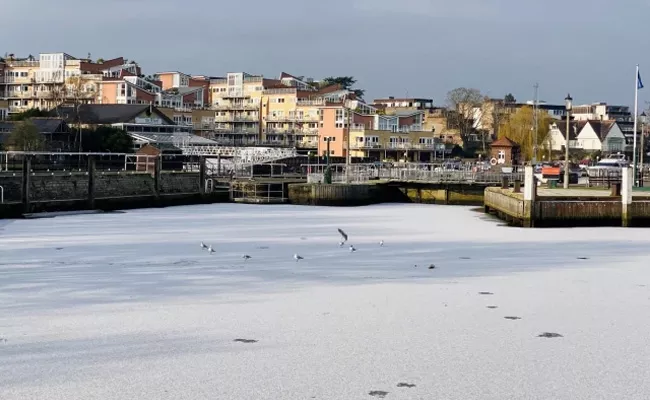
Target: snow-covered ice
x=128, y=306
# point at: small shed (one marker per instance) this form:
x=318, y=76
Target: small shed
x=146, y=156
x=505, y=152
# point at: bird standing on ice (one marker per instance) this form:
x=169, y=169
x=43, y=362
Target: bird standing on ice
x=297, y=257
x=203, y=246
x=210, y=249
x=341, y=243
x=352, y=249
x=246, y=257
x=381, y=243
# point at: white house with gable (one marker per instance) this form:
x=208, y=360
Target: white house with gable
x=556, y=138
x=603, y=136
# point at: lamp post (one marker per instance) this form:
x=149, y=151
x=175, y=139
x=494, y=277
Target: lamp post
x=433, y=144
x=568, y=104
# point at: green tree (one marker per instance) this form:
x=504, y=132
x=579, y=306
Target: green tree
x=114, y=140
x=509, y=98
x=519, y=128
x=27, y=114
x=25, y=137
x=346, y=83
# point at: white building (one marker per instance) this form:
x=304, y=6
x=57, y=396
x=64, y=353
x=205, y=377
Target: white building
x=590, y=136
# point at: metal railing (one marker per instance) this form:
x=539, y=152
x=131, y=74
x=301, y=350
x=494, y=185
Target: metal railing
x=105, y=163
x=425, y=172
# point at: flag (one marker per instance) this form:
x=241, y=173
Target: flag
x=639, y=83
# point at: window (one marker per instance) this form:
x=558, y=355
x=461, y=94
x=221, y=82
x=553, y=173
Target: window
x=502, y=155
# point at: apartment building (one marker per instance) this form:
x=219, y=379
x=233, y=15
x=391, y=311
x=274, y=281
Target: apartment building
x=55, y=78
x=297, y=114
x=237, y=100
x=4, y=109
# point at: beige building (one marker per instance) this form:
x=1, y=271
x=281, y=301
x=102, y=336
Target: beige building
x=55, y=78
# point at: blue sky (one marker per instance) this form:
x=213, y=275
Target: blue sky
x=417, y=48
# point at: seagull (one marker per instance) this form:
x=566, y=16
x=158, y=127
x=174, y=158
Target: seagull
x=297, y=257
x=203, y=246
x=341, y=243
x=246, y=257
x=432, y=266
x=210, y=249
x=381, y=243
x=352, y=249
x=344, y=236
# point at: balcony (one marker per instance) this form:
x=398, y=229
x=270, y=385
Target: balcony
x=293, y=118
x=23, y=63
x=308, y=103
x=395, y=146
x=236, y=94
x=236, y=118
x=227, y=107
x=307, y=144
x=287, y=90
x=21, y=95
x=365, y=145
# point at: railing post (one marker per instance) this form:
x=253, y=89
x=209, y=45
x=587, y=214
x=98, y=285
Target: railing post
x=157, y=167
x=27, y=166
x=627, y=183
x=530, y=193
x=202, y=175
x=91, y=182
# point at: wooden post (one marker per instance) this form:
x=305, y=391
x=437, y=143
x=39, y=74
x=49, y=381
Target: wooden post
x=91, y=182
x=505, y=182
x=202, y=175
x=27, y=167
x=530, y=192
x=157, y=167
x=627, y=183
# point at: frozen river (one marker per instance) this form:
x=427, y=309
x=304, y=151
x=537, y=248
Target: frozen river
x=123, y=306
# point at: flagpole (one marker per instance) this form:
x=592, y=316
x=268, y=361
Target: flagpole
x=636, y=111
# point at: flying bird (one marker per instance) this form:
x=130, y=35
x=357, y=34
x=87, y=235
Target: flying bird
x=297, y=257
x=344, y=235
x=352, y=249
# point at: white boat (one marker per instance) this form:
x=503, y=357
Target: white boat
x=609, y=168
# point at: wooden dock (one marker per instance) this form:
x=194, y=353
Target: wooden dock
x=540, y=207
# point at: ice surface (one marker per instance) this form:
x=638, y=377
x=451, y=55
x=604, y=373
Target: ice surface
x=128, y=306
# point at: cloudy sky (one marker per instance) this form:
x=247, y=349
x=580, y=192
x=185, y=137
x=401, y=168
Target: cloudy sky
x=417, y=48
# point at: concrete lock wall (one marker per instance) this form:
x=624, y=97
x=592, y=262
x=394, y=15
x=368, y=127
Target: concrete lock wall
x=111, y=190
x=335, y=194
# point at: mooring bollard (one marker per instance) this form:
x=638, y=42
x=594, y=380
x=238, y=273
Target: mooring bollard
x=505, y=182
x=517, y=188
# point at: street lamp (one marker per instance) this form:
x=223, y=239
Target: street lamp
x=568, y=104
x=433, y=144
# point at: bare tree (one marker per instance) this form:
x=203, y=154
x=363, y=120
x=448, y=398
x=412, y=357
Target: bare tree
x=466, y=106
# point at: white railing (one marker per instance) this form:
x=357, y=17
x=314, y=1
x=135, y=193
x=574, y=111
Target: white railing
x=426, y=172
x=317, y=102
x=236, y=106
x=236, y=118
x=296, y=118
